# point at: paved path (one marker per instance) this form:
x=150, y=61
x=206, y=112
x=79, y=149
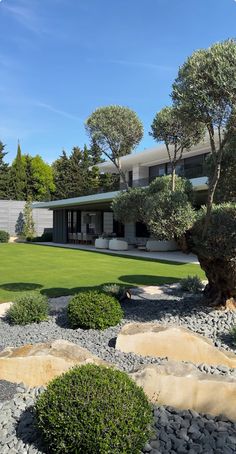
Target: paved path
x=176, y=256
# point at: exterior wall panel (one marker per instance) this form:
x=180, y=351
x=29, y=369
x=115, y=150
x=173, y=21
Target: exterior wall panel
x=11, y=217
x=59, y=226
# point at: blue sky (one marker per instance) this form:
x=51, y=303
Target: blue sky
x=61, y=59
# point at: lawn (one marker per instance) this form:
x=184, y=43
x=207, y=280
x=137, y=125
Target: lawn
x=57, y=271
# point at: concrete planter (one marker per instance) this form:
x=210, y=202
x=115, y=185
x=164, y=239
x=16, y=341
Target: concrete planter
x=118, y=245
x=161, y=246
x=101, y=243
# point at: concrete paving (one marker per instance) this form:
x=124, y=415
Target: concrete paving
x=176, y=256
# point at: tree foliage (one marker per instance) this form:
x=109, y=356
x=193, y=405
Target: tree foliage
x=116, y=131
x=18, y=177
x=205, y=90
x=166, y=214
x=169, y=126
x=128, y=206
x=226, y=188
x=28, y=226
x=76, y=175
x=4, y=174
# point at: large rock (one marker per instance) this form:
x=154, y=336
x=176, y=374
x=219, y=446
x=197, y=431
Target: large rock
x=180, y=344
x=36, y=365
x=4, y=308
x=184, y=387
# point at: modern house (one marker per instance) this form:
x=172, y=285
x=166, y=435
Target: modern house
x=85, y=218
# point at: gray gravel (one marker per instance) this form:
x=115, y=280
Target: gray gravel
x=167, y=309
x=176, y=431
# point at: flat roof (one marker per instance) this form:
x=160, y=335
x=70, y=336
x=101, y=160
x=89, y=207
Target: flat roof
x=84, y=200
x=152, y=156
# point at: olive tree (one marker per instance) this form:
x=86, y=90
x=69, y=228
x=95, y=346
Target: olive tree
x=205, y=90
x=166, y=214
x=169, y=126
x=117, y=131
x=226, y=188
x=217, y=253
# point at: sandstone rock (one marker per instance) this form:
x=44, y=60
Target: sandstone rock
x=4, y=308
x=177, y=343
x=36, y=365
x=184, y=387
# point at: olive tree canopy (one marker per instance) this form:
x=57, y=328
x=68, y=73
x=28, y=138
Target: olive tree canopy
x=205, y=90
x=117, y=130
x=169, y=126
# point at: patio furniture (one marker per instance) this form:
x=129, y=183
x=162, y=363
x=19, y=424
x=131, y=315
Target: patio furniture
x=79, y=237
x=118, y=245
x=161, y=246
x=101, y=243
x=87, y=238
x=70, y=237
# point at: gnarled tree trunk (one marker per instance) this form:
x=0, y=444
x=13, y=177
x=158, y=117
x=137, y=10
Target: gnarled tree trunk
x=221, y=288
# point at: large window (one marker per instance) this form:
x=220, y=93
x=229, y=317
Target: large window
x=189, y=167
x=194, y=167
x=73, y=221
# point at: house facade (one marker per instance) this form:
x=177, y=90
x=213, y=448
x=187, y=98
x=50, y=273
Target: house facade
x=85, y=218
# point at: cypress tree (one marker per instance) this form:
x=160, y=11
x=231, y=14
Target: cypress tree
x=18, y=177
x=4, y=174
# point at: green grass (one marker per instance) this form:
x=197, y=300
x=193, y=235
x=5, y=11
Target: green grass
x=57, y=271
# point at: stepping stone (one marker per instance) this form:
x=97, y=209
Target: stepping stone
x=174, y=342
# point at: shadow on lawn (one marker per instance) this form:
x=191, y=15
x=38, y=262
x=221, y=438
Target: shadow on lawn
x=142, y=279
x=20, y=286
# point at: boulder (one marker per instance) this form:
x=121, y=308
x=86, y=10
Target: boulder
x=184, y=387
x=4, y=308
x=174, y=342
x=36, y=365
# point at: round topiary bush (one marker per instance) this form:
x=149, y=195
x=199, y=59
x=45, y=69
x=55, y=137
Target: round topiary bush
x=94, y=409
x=4, y=236
x=94, y=309
x=28, y=308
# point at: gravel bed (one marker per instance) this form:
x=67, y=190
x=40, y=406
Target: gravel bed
x=174, y=431
x=167, y=309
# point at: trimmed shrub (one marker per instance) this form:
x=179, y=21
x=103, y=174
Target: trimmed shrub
x=4, y=236
x=94, y=309
x=117, y=291
x=46, y=237
x=28, y=308
x=94, y=409
x=191, y=284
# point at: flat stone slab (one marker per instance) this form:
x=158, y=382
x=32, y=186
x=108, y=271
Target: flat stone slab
x=184, y=387
x=174, y=342
x=36, y=365
x=4, y=308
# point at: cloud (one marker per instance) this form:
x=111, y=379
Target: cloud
x=142, y=65
x=23, y=13
x=52, y=109
x=136, y=64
